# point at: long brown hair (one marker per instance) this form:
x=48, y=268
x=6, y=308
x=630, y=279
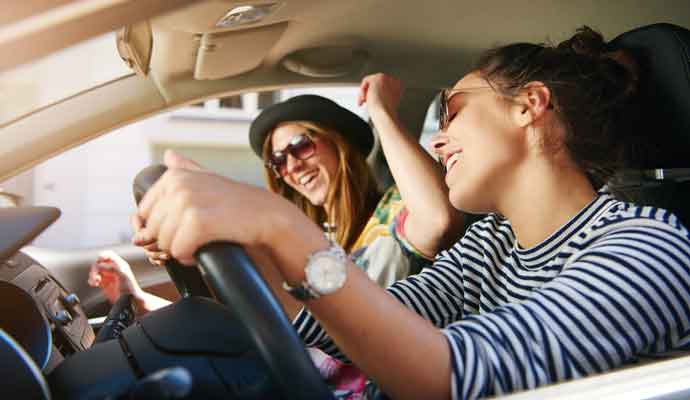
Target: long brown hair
x=352, y=196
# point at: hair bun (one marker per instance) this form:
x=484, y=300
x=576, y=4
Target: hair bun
x=585, y=42
x=618, y=68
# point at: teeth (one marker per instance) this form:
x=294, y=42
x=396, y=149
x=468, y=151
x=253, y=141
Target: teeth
x=452, y=160
x=306, y=178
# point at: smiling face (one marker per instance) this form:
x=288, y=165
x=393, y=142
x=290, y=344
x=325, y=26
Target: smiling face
x=311, y=177
x=482, y=146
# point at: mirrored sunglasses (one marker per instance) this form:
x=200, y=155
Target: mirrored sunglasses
x=300, y=147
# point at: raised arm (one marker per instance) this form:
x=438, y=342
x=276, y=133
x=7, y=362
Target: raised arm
x=432, y=221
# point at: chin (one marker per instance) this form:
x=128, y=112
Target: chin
x=317, y=198
x=463, y=201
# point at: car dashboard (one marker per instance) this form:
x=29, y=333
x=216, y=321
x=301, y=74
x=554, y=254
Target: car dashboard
x=54, y=306
x=48, y=349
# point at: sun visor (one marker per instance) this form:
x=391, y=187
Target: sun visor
x=231, y=53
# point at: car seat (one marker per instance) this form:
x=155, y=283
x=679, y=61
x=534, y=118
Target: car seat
x=658, y=146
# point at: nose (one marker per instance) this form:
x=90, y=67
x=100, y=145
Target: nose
x=293, y=164
x=438, y=141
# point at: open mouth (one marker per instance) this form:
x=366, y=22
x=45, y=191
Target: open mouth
x=307, y=180
x=451, y=159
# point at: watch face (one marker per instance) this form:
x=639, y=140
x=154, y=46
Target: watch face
x=326, y=274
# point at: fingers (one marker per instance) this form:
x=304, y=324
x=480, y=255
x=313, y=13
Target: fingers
x=150, y=245
x=158, y=258
x=137, y=222
x=152, y=196
x=175, y=160
x=169, y=224
x=152, y=213
x=101, y=275
x=186, y=241
x=363, y=88
x=94, y=277
x=157, y=262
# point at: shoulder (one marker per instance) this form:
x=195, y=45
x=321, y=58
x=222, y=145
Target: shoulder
x=493, y=227
x=635, y=231
x=382, y=218
x=390, y=196
x=620, y=216
x=389, y=205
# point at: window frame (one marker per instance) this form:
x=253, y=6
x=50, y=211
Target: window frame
x=212, y=110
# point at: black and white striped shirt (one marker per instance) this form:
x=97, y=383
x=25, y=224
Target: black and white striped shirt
x=610, y=285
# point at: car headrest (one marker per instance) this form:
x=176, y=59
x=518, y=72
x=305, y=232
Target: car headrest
x=662, y=52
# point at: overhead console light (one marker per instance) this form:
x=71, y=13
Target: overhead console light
x=247, y=14
x=326, y=61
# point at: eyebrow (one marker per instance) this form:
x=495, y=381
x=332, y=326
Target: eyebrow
x=289, y=142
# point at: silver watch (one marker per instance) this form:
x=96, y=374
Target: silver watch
x=325, y=273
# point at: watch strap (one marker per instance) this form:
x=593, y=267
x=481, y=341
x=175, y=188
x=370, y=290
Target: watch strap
x=301, y=292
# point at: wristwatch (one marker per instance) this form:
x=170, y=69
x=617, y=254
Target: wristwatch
x=325, y=273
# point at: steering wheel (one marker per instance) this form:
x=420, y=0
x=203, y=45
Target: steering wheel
x=233, y=279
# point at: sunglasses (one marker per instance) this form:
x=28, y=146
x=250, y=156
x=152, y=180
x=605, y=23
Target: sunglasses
x=447, y=95
x=300, y=147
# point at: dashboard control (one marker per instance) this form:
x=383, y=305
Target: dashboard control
x=70, y=330
x=71, y=300
x=63, y=317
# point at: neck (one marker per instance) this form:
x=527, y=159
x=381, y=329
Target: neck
x=543, y=200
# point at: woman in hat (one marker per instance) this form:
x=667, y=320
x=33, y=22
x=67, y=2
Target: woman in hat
x=315, y=151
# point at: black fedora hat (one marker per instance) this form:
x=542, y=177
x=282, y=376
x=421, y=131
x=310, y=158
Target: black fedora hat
x=317, y=109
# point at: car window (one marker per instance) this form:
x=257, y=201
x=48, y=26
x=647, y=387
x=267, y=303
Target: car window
x=91, y=184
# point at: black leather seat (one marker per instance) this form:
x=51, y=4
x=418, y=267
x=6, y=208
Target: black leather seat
x=659, y=141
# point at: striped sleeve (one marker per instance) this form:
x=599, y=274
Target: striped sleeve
x=626, y=294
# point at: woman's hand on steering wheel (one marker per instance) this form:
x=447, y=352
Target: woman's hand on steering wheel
x=155, y=255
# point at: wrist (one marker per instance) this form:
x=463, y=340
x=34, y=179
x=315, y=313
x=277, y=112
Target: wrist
x=142, y=306
x=289, y=240
x=385, y=121
x=379, y=113
x=326, y=271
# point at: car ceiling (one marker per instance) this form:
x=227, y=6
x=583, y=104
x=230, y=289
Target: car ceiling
x=428, y=44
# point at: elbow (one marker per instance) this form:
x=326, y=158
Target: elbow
x=447, y=228
x=432, y=232
x=446, y=221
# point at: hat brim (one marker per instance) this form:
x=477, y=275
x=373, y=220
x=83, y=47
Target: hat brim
x=316, y=109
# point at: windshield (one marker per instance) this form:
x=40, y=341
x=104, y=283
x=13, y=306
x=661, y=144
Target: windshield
x=59, y=75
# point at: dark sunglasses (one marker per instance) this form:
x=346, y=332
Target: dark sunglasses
x=301, y=147
x=444, y=117
x=447, y=95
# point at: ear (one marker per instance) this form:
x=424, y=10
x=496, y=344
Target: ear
x=533, y=101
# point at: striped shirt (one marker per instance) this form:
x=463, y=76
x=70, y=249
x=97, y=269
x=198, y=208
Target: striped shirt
x=610, y=285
